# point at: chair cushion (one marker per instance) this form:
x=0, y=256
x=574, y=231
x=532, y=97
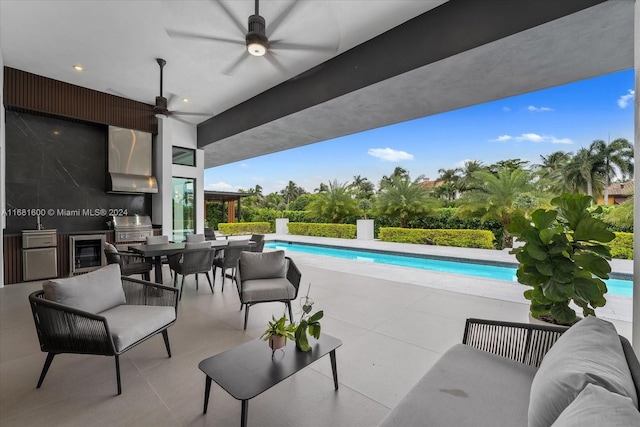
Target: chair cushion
x=194, y=238
x=262, y=265
x=596, y=406
x=157, y=240
x=130, y=323
x=94, y=292
x=267, y=290
x=467, y=387
x=590, y=352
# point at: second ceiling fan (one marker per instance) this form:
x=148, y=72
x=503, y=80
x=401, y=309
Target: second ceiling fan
x=256, y=40
x=161, y=107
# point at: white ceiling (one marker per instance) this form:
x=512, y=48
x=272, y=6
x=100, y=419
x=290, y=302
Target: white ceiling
x=117, y=43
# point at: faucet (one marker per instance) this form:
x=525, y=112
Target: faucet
x=40, y=227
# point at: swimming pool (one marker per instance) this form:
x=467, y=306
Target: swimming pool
x=614, y=286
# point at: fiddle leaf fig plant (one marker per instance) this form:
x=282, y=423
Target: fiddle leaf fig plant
x=564, y=258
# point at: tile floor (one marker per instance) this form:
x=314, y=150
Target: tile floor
x=392, y=329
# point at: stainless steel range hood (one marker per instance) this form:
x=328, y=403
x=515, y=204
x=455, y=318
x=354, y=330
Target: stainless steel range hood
x=130, y=155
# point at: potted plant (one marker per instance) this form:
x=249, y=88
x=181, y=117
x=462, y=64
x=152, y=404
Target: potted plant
x=307, y=322
x=564, y=258
x=278, y=331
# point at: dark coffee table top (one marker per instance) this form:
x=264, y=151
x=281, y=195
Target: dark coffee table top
x=247, y=370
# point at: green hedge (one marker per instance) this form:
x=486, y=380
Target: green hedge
x=622, y=245
x=343, y=231
x=461, y=238
x=235, y=228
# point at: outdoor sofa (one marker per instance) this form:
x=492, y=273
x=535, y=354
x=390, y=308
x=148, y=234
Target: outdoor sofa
x=101, y=313
x=513, y=374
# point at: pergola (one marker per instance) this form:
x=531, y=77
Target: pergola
x=230, y=198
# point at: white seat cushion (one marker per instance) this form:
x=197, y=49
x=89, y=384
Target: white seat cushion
x=267, y=290
x=130, y=323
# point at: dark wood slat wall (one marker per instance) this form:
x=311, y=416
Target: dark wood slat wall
x=35, y=93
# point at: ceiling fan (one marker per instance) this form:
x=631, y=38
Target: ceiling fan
x=161, y=108
x=256, y=40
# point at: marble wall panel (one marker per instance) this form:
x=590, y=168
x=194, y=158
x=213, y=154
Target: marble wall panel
x=59, y=166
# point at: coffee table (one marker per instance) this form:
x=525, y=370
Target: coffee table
x=249, y=369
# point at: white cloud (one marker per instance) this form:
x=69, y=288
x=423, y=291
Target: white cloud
x=538, y=109
x=389, y=154
x=624, y=100
x=502, y=138
x=461, y=163
x=506, y=109
x=534, y=137
x=219, y=186
x=244, y=165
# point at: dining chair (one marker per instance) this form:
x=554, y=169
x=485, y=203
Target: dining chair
x=196, y=258
x=193, y=238
x=159, y=240
x=209, y=234
x=130, y=262
x=228, y=258
x=257, y=242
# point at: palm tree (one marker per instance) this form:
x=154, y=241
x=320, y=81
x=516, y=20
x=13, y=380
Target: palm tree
x=291, y=192
x=334, y=204
x=450, y=178
x=398, y=171
x=616, y=156
x=551, y=172
x=322, y=188
x=583, y=172
x=363, y=188
x=467, y=181
x=499, y=197
x=402, y=198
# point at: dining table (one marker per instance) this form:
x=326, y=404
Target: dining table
x=157, y=251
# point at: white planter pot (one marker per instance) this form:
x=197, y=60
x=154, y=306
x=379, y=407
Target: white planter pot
x=364, y=229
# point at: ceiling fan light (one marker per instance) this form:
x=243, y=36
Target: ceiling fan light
x=256, y=48
x=161, y=116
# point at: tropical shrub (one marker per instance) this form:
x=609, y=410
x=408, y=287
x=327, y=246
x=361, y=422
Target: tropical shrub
x=460, y=238
x=622, y=246
x=343, y=231
x=235, y=228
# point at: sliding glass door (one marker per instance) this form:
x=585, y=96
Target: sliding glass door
x=183, y=208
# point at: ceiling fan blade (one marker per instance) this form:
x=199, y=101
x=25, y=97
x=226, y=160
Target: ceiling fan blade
x=277, y=44
x=184, y=113
x=243, y=29
x=231, y=68
x=273, y=24
x=192, y=36
x=274, y=61
x=180, y=120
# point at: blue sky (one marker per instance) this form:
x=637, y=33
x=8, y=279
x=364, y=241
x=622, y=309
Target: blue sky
x=526, y=126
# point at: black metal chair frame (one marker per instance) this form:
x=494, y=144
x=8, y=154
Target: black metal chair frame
x=64, y=329
x=130, y=263
x=191, y=261
x=228, y=258
x=293, y=275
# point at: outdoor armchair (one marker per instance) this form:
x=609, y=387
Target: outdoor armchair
x=129, y=262
x=266, y=277
x=192, y=261
x=101, y=313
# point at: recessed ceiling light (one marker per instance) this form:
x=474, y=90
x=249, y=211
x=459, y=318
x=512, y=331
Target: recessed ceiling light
x=78, y=67
x=185, y=99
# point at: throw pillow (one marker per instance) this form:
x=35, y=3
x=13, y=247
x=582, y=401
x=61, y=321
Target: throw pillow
x=94, y=292
x=590, y=352
x=596, y=406
x=262, y=265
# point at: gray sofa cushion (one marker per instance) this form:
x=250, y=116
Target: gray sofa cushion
x=467, y=387
x=94, y=292
x=596, y=406
x=262, y=265
x=590, y=352
x=131, y=323
x=267, y=290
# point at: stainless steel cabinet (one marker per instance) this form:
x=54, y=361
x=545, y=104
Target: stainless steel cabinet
x=39, y=254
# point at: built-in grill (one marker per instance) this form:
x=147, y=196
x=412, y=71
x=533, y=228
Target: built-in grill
x=132, y=228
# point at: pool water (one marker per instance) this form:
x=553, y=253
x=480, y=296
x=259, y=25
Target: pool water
x=614, y=286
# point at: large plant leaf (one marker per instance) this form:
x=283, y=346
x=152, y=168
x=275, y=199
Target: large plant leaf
x=518, y=224
x=543, y=218
x=557, y=291
x=587, y=289
x=593, y=229
x=545, y=268
x=530, y=279
x=594, y=264
x=563, y=314
x=538, y=252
